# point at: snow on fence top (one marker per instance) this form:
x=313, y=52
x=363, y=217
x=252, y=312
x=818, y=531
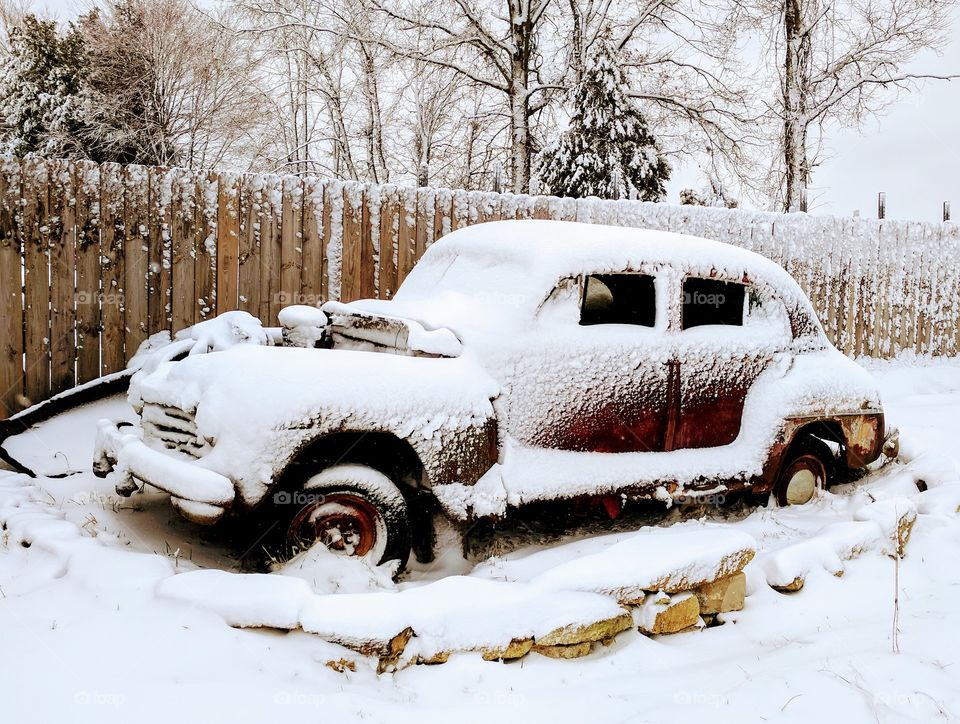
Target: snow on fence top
x=111, y=254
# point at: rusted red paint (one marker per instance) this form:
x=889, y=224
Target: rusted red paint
x=864, y=437
x=688, y=415
x=340, y=521
x=613, y=428
x=612, y=504
x=861, y=435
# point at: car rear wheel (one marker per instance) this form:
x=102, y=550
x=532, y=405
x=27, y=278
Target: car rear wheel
x=352, y=510
x=807, y=469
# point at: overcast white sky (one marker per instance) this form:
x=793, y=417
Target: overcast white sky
x=912, y=153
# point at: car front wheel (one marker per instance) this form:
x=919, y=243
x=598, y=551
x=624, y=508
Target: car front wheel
x=352, y=510
x=806, y=470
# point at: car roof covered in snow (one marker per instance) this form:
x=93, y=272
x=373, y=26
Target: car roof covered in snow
x=499, y=270
x=569, y=247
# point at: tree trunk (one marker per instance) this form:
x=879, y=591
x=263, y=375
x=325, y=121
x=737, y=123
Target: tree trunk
x=520, y=140
x=577, y=54
x=521, y=31
x=344, y=165
x=795, y=73
x=378, y=163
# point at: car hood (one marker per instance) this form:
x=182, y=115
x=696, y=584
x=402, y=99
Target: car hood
x=283, y=386
x=249, y=401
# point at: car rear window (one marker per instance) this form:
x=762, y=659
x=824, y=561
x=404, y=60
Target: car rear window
x=619, y=299
x=712, y=301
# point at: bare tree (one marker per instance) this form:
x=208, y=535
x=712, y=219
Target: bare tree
x=495, y=45
x=166, y=86
x=11, y=13
x=373, y=68
x=839, y=63
x=330, y=78
x=427, y=107
x=501, y=67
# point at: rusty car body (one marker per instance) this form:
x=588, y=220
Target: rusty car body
x=518, y=362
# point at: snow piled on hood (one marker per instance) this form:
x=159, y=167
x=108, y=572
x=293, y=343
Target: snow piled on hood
x=258, y=405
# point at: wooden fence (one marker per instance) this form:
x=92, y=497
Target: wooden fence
x=94, y=259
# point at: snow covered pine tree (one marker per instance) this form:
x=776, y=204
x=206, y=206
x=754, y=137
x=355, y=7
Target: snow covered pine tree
x=608, y=150
x=40, y=81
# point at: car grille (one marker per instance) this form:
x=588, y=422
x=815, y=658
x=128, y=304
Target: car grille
x=173, y=427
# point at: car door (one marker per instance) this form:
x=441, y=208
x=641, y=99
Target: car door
x=730, y=331
x=593, y=374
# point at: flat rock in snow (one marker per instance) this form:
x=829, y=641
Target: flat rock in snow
x=626, y=567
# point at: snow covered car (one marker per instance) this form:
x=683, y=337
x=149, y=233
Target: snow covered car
x=520, y=361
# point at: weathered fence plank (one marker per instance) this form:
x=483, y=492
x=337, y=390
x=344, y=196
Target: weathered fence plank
x=183, y=250
x=352, y=243
x=205, y=247
x=11, y=301
x=87, y=219
x=136, y=259
x=407, y=234
x=159, y=255
x=311, y=270
x=228, y=242
x=271, y=251
x=63, y=344
x=389, y=218
x=248, y=245
x=331, y=268
x=111, y=246
x=291, y=234
x=36, y=282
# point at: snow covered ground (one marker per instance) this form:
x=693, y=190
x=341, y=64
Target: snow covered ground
x=86, y=636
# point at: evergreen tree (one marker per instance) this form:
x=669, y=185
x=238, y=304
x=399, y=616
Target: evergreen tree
x=608, y=150
x=40, y=82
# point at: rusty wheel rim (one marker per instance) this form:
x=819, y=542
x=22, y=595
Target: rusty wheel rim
x=801, y=480
x=345, y=524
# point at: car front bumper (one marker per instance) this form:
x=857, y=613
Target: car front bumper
x=200, y=495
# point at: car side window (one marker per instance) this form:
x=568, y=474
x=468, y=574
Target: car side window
x=619, y=299
x=712, y=301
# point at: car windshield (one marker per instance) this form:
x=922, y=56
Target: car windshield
x=473, y=279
